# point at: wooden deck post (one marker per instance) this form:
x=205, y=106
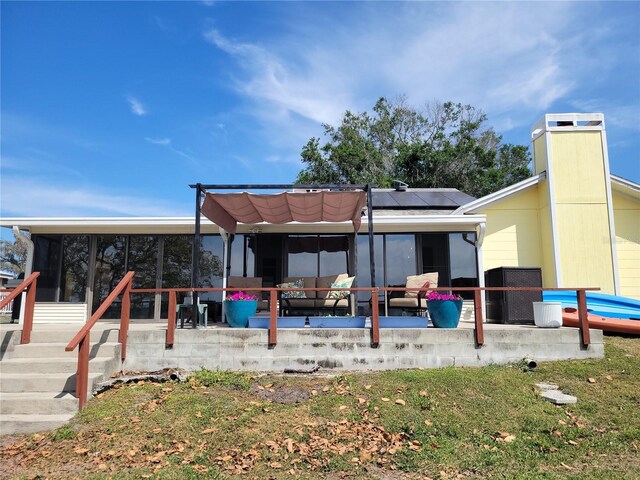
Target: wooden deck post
x=27, y=326
x=375, y=320
x=125, y=314
x=171, y=319
x=477, y=313
x=273, y=317
x=82, y=373
x=583, y=318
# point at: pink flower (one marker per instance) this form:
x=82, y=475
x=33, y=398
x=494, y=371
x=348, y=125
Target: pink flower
x=433, y=295
x=240, y=296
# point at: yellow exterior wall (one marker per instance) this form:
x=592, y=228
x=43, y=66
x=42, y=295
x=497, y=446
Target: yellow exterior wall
x=512, y=237
x=586, y=258
x=547, y=262
x=578, y=167
x=626, y=212
x=539, y=155
x=581, y=210
x=546, y=240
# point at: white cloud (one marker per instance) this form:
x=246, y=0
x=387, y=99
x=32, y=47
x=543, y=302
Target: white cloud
x=25, y=197
x=269, y=78
x=158, y=141
x=166, y=142
x=508, y=60
x=136, y=106
x=623, y=116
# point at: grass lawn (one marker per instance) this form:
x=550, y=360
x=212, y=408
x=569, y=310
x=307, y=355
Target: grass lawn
x=447, y=423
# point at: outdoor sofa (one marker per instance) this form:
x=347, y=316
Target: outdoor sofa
x=315, y=303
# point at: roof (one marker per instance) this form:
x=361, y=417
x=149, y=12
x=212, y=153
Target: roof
x=501, y=194
x=626, y=187
x=413, y=209
x=419, y=198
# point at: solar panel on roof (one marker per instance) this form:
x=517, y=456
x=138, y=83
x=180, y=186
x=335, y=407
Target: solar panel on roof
x=420, y=199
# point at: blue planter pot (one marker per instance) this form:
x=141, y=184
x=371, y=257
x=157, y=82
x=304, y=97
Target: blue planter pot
x=445, y=313
x=238, y=312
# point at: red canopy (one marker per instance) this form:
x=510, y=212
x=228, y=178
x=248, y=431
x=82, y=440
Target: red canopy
x=227, y=209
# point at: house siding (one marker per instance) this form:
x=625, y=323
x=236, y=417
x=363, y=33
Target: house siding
x=581, y=206
x=513, y=234
x=626, y=212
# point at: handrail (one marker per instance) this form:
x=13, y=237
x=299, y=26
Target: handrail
x=31, y=284
x=83, y=337
x=375, y=326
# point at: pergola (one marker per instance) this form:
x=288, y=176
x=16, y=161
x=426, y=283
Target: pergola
x=297, y=203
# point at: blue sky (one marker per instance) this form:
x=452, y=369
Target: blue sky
x=114, y=108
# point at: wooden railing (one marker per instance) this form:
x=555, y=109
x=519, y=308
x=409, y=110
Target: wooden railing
x=30, y=284
x=375, y=323
x=82, y=339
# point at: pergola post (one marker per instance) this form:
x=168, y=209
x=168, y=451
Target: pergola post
x=196, y=246
x=372, y=257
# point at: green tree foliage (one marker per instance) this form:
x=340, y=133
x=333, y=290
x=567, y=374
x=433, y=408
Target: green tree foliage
x=13, y=256
x=444, y=146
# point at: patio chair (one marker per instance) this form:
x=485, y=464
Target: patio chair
x=414, y=301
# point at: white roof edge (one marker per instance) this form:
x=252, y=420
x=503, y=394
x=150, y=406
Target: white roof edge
x=501, y=194
x=70, y=221
x=141, y=222
x=625, y=183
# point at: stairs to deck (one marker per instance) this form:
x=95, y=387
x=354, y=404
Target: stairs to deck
x=38, y=380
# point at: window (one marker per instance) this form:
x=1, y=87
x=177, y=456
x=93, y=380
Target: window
x=75, y=268
x=211, y=267
x=317, y=255
x=143, y=259
x=109, y=270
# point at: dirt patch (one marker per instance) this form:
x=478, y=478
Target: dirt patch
x=284, y=395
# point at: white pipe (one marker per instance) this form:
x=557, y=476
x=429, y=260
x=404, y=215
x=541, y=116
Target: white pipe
x=480, y=234
x=22, y=238
x=225, y=244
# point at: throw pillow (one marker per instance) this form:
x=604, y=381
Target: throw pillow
x=419, y=282
x=293, y=293
x=340, y=294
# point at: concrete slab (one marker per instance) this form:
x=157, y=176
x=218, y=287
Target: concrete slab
x=547, y=386
x=558, y=398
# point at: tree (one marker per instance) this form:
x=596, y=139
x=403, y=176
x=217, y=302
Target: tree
x=13, y=256
x=446, y=145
